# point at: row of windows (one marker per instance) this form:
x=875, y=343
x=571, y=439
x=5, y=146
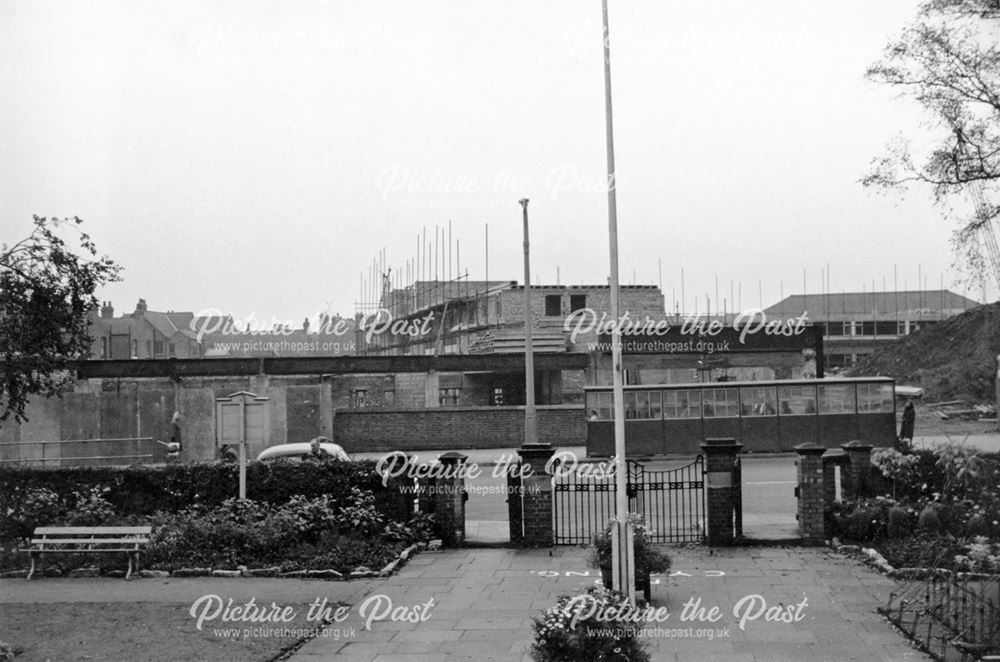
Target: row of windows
x=746, y=402
x=871, y=327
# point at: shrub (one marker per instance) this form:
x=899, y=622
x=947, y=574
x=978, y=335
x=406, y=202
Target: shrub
x=898, y=467
x=982, y=556
x=27, y=508
x=90, y=508
x=573, y=629
x=6, y=652
x=960, y=464
x=358, y=513
x=900, y=523
x=929, y=520
x=648, y=559
x=977, y=525
x=857, y=525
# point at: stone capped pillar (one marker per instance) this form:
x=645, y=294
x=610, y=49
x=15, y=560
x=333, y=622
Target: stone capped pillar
x=536, y=496
x=859, y=468
x=449, y=498
x=724, y=493
x=810, y=491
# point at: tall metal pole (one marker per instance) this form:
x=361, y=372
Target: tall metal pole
x=530, y=425
x=623, y=574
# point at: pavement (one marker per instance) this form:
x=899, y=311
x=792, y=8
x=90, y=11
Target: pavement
x=477, y=604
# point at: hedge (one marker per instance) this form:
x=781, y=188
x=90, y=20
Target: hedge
x=143, y=490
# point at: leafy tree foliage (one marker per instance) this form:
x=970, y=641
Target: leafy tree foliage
x=46, y=295
x=948, y=61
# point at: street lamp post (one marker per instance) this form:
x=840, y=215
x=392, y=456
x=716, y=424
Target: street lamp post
x=530, y=420
x=622, y=557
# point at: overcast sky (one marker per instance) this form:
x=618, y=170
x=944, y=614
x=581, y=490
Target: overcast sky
x=255, y=157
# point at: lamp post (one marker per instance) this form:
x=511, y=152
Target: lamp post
x=530, y=424
x=622, y=559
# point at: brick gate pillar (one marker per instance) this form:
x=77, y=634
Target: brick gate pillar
x=859, y=468
x=811, y=493
x=724, y=493
x=536, y=496
x=449, y=499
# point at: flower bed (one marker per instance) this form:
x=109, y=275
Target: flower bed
x=338, y=533
x=939, y=509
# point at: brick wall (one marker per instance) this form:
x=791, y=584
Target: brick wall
x=458, y=428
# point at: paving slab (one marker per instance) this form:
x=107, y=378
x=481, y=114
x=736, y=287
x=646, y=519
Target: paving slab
x=476, y=618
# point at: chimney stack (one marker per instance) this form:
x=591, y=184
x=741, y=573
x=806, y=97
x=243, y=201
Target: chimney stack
x=141, y=306
x=107, y=311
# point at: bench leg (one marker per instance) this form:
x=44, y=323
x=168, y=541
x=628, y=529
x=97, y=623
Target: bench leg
x=31, y=571
x=128, y=574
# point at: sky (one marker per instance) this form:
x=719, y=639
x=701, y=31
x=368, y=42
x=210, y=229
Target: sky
x=257, y=157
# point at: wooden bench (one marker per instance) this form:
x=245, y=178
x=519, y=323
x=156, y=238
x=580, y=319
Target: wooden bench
x=89, y=540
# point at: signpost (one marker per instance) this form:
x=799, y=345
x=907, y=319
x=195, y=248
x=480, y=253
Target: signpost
x=241, y=419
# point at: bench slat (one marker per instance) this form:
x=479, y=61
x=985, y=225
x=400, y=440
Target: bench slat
x=90, y=541
x=91, y=530
x=82, y=551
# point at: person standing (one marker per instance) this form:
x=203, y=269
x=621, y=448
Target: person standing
x=906, y=428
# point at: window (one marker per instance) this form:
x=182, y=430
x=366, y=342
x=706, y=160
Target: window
x=359, y=398
x=449, y=397
x=498, y=396
x=135, y=348
x=149, y=348
x=720, y=403
x=577, y=302
x=172, y=348
x=158, y=347
x=835, y=360
x=553, y=305
x=886, y=328
x=867, y=329
x=796, y=400
x=643, y=405
x=680, y=404
x=104, y=348
x=600, y=407
x=758, y=401
x=835, y=329
x=837, y=399
x=875, y=398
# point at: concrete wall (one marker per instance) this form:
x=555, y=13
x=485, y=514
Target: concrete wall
x=299, y=408
x=456, y=428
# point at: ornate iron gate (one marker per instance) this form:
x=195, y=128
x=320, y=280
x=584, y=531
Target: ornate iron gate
x=672, y=501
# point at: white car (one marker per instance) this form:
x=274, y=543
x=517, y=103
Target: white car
x=302, y=450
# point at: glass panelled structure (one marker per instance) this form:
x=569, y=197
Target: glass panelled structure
x=762, y=415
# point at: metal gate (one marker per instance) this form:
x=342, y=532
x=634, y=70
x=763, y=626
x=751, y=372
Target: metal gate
x=672, y=502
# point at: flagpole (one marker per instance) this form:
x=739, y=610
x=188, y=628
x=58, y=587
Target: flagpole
x=623, y=574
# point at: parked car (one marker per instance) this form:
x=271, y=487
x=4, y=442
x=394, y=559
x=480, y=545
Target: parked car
x=303, y=450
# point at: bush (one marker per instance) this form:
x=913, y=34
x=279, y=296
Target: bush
x=981, y=556
x=900, y=523
x=648, y=559
x=25, y=508
x=90, y=508
x=31, y=497
x=572, y=630
x=929, y=520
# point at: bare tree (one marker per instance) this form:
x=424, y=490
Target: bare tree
x=947, y=61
